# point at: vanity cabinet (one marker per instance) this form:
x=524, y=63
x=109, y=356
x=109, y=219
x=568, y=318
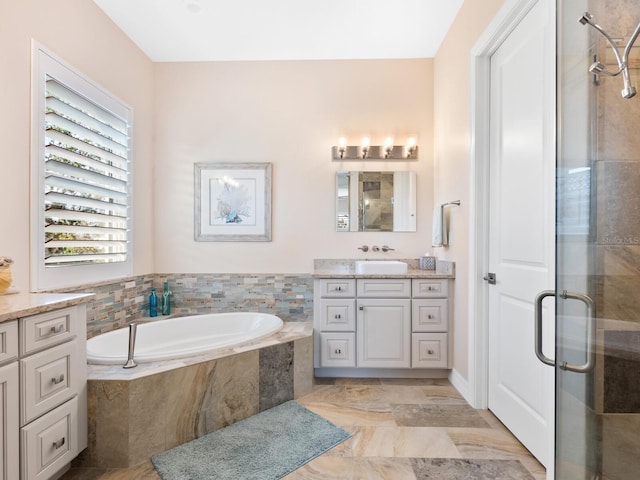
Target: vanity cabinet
x=43, y=406
x=430, y=323
x=389, y=323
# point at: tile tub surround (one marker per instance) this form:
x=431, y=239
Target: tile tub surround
x=289, y=297
x=156, y=406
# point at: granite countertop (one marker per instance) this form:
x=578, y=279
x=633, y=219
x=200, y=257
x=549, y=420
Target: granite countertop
x=18, y=305
x=330, y=268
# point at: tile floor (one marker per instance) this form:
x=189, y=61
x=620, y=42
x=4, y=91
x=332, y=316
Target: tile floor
x=401, y=429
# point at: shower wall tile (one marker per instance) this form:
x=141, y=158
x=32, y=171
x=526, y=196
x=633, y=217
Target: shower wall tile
x=618, y=282
x=618, y=195
x=621, y=449
x=621, y=374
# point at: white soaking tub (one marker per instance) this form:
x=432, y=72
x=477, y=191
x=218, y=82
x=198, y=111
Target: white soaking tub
x=181, y=337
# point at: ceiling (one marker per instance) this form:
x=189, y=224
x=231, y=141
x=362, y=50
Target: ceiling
x=235, y=30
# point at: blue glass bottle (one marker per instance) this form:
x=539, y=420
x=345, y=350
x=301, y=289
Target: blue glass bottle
x=166, y=302
x=153, y=303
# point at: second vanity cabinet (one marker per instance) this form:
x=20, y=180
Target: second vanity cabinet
x=42, y=392
x=391, y=323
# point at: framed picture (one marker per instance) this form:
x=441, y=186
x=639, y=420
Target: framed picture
x=233, y=202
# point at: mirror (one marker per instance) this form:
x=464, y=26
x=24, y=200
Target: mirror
x=375, y=201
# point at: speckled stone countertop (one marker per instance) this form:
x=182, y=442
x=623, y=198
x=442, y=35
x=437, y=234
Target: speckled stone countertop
x=345, y=268
x=23, y=304
x=289, y=332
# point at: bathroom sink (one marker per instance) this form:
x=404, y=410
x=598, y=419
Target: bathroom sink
x=380, y=267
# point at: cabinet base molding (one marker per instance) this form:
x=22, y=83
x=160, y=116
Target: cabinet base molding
x=381, y=373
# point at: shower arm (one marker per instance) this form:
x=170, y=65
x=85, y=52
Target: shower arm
x=629, y=90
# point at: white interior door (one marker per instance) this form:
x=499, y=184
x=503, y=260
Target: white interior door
x=521, y=227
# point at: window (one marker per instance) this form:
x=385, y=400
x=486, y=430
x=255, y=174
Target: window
x=81, y=179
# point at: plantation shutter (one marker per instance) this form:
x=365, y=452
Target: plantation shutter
x=86, y=192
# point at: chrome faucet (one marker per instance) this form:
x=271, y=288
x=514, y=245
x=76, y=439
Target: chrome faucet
x=133, y=327
x=364, y=248
x=385, y=249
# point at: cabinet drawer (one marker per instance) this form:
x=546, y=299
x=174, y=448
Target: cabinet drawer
x=47, y=329
x=8, y=341
x=337, y=350
x=49, y=443
x=426, y=288
x=49, y=378
x=337, y=314
x=429, y=350
x=429, y=315
x=383, y=288
x=331, y=287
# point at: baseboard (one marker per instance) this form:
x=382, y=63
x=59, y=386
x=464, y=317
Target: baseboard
x=461, y=384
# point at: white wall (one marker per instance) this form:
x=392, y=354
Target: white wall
x=289, y=114
x=452, y=153
x=79, y=33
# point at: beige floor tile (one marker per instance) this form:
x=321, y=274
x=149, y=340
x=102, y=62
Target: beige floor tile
x=383, y=469
x=346, y=415
x=402, y=442
x=323, y=468
x=384, y=394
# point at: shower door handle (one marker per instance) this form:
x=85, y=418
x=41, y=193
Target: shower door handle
x=590, y=353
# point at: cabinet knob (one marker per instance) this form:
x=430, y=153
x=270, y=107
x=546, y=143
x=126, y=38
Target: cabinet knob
x=430, y=317
x=431, y=352
x=58, y=380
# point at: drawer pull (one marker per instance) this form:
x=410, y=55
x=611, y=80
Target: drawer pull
x=58, y=328
x=58, y=380
x=338, y=316
x=338, y=288
x=59, y=443
x=361, y=307
x=430, y=317
x=431, y=352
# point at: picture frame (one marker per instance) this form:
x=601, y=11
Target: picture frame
x=232, y=202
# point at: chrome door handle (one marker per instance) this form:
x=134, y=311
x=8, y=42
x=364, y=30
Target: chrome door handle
x=589, y=351
x=538, y=330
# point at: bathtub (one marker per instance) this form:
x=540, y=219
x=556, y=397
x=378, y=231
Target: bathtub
x=181, y=337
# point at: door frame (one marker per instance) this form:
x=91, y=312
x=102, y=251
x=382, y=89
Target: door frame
x=508, y=17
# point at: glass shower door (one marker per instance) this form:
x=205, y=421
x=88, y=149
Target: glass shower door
x=598, y=246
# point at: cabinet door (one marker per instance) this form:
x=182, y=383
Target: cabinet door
x=9, y=454
x=337, y=314
x=384, y=333
x=429, y=315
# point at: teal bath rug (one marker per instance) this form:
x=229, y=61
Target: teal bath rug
x=267, y=446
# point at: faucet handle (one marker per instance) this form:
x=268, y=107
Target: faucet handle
x=364, y=248
x=386, y=249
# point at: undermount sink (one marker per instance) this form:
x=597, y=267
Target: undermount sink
x=380, y=267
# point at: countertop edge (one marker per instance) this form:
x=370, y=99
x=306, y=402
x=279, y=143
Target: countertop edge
x=25, y=304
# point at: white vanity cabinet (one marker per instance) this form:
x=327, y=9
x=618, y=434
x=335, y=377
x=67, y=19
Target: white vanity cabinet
x=43, y=382
x=335, y=313
x=9, y=401
x=53, y=409
x=430, y=323
x=381, y=323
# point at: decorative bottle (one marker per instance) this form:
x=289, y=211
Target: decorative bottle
x=166, y=301
x=153, y=303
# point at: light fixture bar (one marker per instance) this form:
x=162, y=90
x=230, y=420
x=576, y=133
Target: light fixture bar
x=374, y=152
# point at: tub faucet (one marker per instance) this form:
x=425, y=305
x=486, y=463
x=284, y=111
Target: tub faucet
x=132, y=343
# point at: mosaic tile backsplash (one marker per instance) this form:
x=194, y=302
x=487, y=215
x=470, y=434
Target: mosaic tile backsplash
x=288, y=296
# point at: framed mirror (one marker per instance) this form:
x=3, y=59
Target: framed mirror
x=376, y=201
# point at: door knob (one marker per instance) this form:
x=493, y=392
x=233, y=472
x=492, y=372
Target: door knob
x=491, y=278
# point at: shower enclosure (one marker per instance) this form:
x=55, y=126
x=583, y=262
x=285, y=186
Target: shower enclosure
x=598, y=242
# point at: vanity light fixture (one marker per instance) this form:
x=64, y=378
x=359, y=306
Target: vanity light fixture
x=388, y=146
x=342, y=146
x=365, y=144
x=386, y=151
